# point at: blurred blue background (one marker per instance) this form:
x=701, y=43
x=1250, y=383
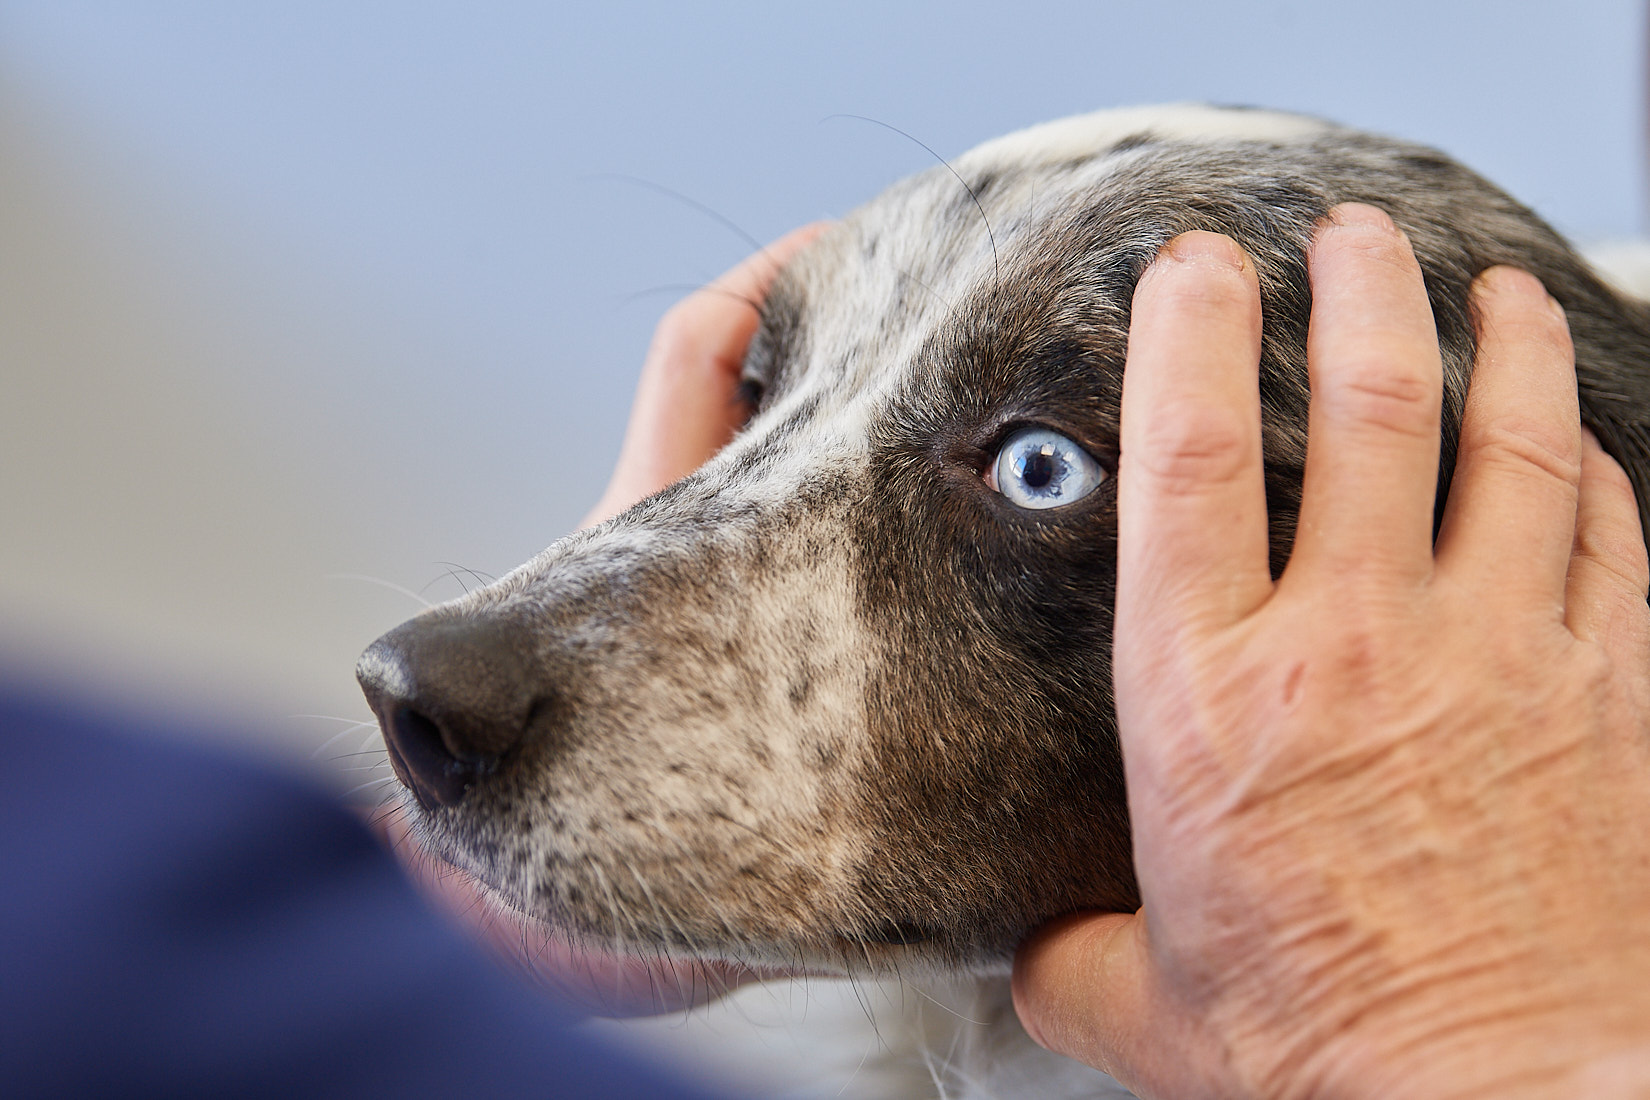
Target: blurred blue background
x=294, y=294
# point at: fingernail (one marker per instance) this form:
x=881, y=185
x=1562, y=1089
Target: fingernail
x=1505, y=279
x=1199, y=246
x=1362, y=215
x=1517, y=283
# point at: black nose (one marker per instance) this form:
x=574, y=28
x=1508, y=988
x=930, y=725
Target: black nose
x=452, y=696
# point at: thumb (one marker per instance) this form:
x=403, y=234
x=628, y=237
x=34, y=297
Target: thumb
x=1083, y=987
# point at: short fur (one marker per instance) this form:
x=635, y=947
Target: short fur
x=831, y=701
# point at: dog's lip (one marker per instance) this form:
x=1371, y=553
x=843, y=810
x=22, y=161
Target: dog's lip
x=590, y=981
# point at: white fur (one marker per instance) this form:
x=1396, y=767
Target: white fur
x=1080, y=135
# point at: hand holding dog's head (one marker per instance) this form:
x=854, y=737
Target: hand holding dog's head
x=1389, y=808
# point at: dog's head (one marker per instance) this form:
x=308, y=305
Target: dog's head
x=842, y=697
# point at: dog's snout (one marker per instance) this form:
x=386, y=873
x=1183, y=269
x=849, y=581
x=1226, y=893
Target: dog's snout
x=452, y=697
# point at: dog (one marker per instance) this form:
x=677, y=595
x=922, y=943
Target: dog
x=840, y=701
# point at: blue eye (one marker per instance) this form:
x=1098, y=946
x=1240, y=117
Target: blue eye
x=1038, y=468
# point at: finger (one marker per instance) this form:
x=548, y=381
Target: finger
x=686, y=408
x=1609, y=577
x=1192, y=531
x=1372, y=449
x=1511, y=516
x=1083, y=987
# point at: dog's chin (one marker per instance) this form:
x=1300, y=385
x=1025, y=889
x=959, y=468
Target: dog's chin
x=584, y=978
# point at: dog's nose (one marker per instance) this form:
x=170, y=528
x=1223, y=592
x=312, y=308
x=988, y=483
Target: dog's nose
x=452, y=696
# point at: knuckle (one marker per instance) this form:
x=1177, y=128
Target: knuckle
x=1532, y=449
x=1371, y=655
x=1595, y=670
x=1613, y=541
x=1624, y=568
x=1371, y=390
x=1191, y=445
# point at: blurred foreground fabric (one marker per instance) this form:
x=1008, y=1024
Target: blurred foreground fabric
x=179, y=923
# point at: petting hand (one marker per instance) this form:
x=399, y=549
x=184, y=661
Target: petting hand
x=687, y=405
x=686, y=409
x=1392, y=811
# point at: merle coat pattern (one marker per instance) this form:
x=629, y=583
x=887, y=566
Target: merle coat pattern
x=832, y=701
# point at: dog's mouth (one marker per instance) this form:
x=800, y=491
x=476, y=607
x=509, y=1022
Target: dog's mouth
x=591, y=980
x=600, y=981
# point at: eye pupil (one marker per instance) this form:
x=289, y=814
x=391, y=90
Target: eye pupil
x=1037, y=468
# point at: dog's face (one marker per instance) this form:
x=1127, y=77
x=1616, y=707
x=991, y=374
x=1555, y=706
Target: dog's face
x=842, y=697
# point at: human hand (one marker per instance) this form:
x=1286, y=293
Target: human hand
x=686, y=409
x=1391, y=812
x=687, y=403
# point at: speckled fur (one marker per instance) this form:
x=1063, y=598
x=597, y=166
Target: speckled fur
x=831, y=700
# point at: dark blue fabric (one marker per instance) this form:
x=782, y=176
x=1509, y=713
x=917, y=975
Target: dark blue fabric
x=176, y=923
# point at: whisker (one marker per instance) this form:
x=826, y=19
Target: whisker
x=949, y=1065
x=340, y=735
x=863, y=997
x=950, y=306
x=691, y=864
x=450, y=572
x=943, y=1007
x=751, y=829
x=387, y=805
x=381, y=582
x=370, y=783
x=484, y=578
x=659, y=917
x=686, y=200
x=863, y=1058
x=692, y=288
x=616, y=915
x=996, y=266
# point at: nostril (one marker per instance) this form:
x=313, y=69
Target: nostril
x=454, y=696
x=420, y=756
x=418, y=735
